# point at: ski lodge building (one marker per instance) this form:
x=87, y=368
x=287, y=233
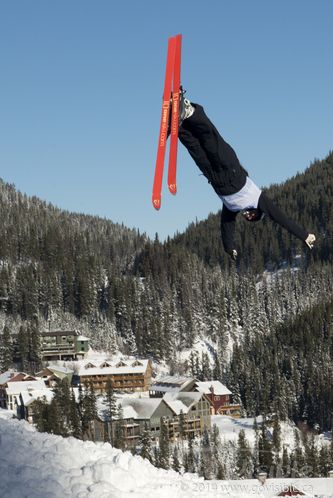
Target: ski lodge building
x=219, y=396
x=126, y=376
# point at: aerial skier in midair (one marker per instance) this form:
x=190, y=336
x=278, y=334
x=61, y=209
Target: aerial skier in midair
x=219, y=164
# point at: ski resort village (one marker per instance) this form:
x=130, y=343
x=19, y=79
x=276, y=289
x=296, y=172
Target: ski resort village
x=122, y=393
x=192, y=431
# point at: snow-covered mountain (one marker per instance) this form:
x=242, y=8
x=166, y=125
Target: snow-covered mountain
x=39, y=465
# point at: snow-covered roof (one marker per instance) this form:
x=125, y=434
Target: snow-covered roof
x=5, y=376
x=55, y=369
x=186, y=398
x=216, y=385
x=177, y=406
x=29, y=397
x=82, y=338
x=113, y=368
x=18, y=387
x=20, y=376
x=171, y=383
x=143, y=407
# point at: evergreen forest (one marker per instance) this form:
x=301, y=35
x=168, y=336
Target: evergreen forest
x=269, y=316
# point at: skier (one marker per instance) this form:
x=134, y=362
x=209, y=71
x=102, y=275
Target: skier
x=218, y=162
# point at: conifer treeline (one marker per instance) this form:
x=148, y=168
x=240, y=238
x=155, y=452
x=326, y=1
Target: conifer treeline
x=155, y=298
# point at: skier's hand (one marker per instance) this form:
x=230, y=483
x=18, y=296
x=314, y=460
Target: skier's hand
x=310, y=240
x=233, y=254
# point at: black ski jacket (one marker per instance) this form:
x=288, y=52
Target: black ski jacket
x=220, y=165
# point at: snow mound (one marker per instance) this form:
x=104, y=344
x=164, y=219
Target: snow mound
x=36, y=465
x=39, y=465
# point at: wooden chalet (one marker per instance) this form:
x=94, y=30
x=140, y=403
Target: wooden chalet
x=220, y=398
x=126, y=376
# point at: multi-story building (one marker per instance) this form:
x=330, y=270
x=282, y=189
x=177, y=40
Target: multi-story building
x=220, y=398
x=64, y=345
x=14, y=390
x=183, y=414
x=6, y=379
x=127, y=376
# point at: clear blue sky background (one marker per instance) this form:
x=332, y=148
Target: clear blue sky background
x=81, y=87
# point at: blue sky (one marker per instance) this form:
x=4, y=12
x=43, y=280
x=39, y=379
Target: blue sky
x=81, y=86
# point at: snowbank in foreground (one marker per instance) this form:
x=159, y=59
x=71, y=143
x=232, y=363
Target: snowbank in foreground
x=35, y=465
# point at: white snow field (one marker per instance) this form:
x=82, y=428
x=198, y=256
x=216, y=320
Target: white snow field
x=36, y=465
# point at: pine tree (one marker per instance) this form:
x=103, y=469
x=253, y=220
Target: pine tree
x=244, y=463
x=55, y=420
x=221, y=471
x=175, y=460
x=256, y=463
x=297, y=461
x=164, y=446
x=110, y=403
x=119, y=435
x=276, y=447
x=182, y=423
x=276, y=436
x=189, y=463
x=311, y=457
x=6, y=350
x=285, y=463
x=324, y=462
x=216, y=448
x=265, y=450
x=145, y=443
x=35, y=360
x=206, y=456
x=62, y=397
x=40, y=410
x=74, y=417
x=23, y=347
x=206, y=372
x=88, y=410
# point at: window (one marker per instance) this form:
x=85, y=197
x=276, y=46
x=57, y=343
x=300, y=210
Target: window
x=217, y=398
x=121, y=364
x=137, y=364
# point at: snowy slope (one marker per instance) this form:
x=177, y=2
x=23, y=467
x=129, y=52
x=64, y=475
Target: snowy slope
x=229, y=429
x=35, y=465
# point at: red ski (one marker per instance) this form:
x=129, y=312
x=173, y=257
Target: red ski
x=171, y=85
x=175, y=118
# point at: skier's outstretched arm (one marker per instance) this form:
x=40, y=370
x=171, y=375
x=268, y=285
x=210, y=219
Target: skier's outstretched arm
x=268, y=207
x=228, y=225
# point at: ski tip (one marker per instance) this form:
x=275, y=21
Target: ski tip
x=173, y=188
x=157, y=203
